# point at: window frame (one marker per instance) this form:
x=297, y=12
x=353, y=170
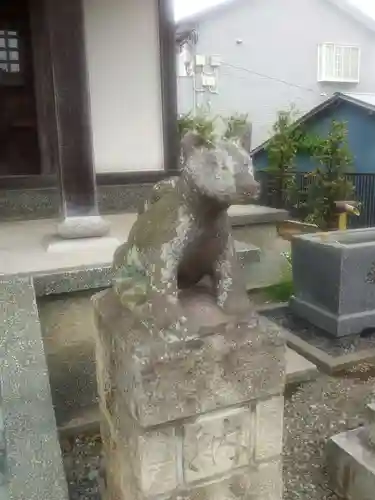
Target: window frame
x=9, y=78
x=322, y=73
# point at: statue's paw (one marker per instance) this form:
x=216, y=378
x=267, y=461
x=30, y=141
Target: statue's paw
x=167, y=313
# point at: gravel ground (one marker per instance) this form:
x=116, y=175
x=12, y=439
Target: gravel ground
x=314, y=411
x=82, y=465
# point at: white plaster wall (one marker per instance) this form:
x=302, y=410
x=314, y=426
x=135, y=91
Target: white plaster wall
x=124, y=76
x=280, y=40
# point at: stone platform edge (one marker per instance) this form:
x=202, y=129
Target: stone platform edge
x=33, y=461
x=99, y=276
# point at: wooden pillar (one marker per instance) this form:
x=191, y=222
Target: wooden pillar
x=167, y=43
x=65, y=31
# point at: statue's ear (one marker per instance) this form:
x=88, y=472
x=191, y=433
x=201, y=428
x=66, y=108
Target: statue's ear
x=189, y=143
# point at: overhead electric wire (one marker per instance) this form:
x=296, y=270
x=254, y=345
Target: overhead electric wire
x=269, y=77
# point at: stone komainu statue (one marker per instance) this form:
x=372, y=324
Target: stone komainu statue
x=183, y=235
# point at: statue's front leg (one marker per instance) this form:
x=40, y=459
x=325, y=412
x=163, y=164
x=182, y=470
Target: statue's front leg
x=230, y=284
x=165, y=311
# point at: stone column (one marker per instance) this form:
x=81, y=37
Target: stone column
x=197, y=419
x=65, y=28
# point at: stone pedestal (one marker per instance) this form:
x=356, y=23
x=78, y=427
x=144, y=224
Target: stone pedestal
x=351, y=461
x=193, y=419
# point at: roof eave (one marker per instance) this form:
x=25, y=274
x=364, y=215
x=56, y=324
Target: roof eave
x=317, y=109
x=336, y=97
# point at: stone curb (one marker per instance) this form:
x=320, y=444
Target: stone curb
x=32, y=454
x=325, y=362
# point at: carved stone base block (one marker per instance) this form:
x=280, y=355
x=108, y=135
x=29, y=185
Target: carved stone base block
x=194, y=419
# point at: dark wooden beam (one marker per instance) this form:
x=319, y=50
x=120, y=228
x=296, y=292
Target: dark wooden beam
x=26, y=182
x=65, y=28
x=167, y=44
x=44, y=93
x=63, y=106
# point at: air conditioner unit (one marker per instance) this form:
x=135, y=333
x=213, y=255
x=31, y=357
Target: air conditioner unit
x=208, y=81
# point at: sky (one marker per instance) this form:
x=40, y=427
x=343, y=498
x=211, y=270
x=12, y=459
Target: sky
x=186, y=7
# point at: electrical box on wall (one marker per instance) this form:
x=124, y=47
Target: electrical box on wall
x=215, y=61
x=200, y=60
x=208, y=81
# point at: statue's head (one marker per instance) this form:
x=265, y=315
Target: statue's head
x=222, y=171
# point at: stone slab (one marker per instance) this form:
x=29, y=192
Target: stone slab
x=298, y=368
x=76, y=279
x=269, y=428
x=82, y=245
x=91, y=226
x=33, y=455
x=23, y=246
x=87, y=277
x=288, y=229
x=63, y=277
x=351, y=465
x=202, y=374
x=246, y=215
